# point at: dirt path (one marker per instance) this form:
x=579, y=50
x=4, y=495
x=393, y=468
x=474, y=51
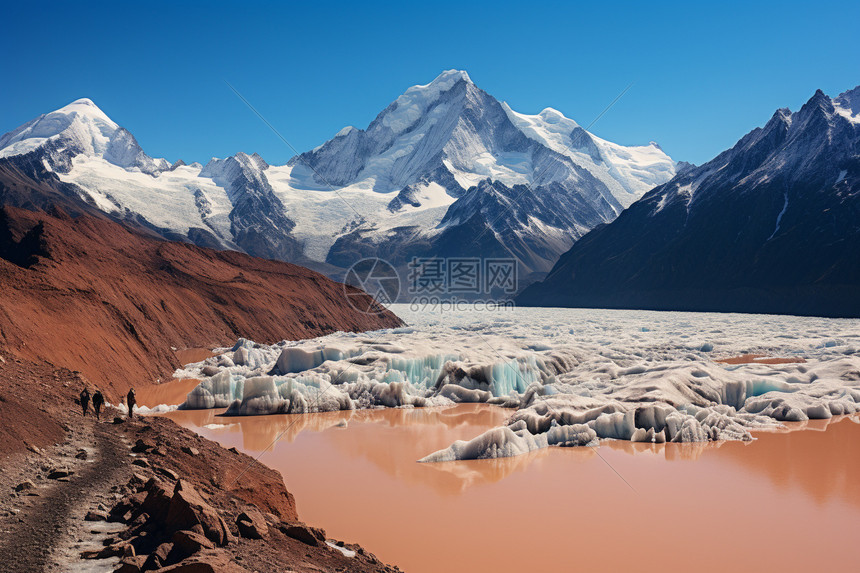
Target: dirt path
x=43, y=525
x=44, y=522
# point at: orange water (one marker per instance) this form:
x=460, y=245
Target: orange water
x=789, y=501
x=173, y=392
x=189, y=355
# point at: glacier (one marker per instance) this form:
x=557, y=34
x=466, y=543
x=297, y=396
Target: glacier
x=569, y=376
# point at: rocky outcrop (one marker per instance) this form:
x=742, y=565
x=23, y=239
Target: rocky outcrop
x=188, y=510
x=182, y=524
x=252, y=524
x=312, y=536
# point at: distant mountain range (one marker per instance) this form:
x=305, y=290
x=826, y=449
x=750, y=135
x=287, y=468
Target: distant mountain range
x=445, y=170
x=772, y=225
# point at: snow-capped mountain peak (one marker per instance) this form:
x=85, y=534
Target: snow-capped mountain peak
x=81, y=121
x=345, y=131
x=86, y=108
x=443, y=162
x=769, y=225
x=79, y=128
x=410, y=106
x=444, y=81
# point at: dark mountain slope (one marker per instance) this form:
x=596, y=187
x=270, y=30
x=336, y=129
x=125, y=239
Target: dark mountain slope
x=771, y=225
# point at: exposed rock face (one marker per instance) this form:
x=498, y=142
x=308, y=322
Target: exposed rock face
x=258, y=223
x=92, y=295
x=124, y=151
x=26, y=182
x=769, y=226
x=482, y=221
x=189, y=542
x=189, y=526
x=206, y=562
x=308, y=535
x=25, y=485
x=187, y=509
x=252, y=524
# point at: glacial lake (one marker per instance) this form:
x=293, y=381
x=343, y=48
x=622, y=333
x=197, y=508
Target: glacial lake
x=788, y=500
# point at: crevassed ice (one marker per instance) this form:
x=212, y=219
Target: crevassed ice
x=570, y=376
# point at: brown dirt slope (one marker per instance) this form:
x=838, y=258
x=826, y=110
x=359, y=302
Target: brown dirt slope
x=94, y=296
x=44, y=522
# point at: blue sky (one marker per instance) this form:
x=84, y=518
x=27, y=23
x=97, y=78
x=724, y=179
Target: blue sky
x=703, y=74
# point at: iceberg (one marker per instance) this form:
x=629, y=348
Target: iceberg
x=603, y=379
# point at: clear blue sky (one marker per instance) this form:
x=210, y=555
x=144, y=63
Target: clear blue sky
x=704, y=73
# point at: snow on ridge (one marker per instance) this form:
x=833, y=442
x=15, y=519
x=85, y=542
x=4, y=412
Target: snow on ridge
x=779, y=217
x=320, y=215
x=628, y=171
x=847, y=104
x=550, y=127
x=409, y=107
x=171, y=199
x=345, y=131
x=86, y=107
x=444, y=81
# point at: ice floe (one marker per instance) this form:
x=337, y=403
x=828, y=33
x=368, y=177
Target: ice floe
x=570, y=376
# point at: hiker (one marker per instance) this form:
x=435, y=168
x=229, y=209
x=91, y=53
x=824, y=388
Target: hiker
x=85, y=400
x=131, y=400
x=98, y=400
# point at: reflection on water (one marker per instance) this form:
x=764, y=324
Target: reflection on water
x=405, y=435
x=388, y=438
x=355, y=473
x=825, y=464
x=259, y=432
x=173, y=392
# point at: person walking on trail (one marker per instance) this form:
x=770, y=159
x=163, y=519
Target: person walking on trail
x=85, y=400
x=98, y=400
x=131, y=400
